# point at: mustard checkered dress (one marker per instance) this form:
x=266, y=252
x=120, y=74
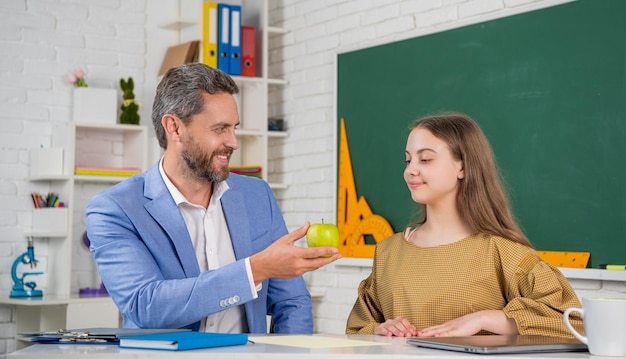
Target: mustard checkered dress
x=432, y=285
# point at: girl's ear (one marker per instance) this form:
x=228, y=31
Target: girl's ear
x=461, y=174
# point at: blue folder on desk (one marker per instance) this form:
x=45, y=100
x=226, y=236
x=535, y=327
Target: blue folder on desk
x=183, y=340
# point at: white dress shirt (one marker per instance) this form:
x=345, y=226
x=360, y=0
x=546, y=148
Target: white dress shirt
x=213, y=246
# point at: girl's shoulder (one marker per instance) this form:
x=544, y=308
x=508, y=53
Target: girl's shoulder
x=392, y=241
x=511, y=252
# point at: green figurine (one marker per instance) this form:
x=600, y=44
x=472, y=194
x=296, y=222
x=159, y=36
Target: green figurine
x=130, y=106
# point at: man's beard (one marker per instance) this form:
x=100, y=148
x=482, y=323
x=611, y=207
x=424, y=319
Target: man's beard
x=200, y=164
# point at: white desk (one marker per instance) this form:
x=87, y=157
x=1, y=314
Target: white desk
x=392, y=347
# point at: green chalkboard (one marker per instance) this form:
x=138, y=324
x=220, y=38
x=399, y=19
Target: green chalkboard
x=548, y=88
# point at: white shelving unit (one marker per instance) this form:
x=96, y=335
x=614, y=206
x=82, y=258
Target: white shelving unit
x=253, y=133
x=86, y=144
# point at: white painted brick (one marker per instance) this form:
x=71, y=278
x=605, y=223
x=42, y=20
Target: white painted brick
x=339, y=25
x=131, y=46
x=81, y=26
x=312, y=88
x=514, y=3
x=435, y=17
x=7, y=187
x=294, y=23
x=28, y=81
x=48, y=98
x=60, y=10
x=352, y=7
x=29, y=20
x=478, y=7
x=23, y=111
x=34, y=130
x=115, y=16
x=8, y=218
x=319, y=45
x=138, y=6
x=399, y=25
x=12, y=95
x=10, y=63
x=131, y=31
x=7, y=330
x=13, y=4
x=10, y=33
x=310, y=32
x=44, y=37
x=29, y=51
x=316, y=102
x=412, y=7
x=357, y=36
x=306, y=7
x=322, y=15
x=379, y=14
x=6, y=314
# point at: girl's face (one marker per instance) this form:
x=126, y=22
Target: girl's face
x=431, y=172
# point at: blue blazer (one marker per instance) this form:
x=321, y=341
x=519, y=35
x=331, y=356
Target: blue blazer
x=147, y=262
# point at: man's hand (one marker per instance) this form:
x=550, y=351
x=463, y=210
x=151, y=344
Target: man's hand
x=284, y=260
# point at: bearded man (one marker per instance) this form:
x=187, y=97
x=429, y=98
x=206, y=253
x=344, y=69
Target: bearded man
x=187, y=244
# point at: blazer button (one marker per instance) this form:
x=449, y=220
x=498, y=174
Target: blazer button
x=236, y=299
x=222, y=303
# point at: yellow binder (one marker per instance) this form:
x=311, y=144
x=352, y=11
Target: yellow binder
x=209, y=33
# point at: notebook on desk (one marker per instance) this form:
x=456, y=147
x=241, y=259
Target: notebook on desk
x=497, y=344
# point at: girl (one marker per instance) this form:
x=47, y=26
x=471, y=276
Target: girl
x=466, y=267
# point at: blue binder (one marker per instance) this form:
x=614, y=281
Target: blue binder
x=223, y=37
x=235, y=40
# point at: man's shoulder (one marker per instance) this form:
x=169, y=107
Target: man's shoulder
x=129, y=187
x=240, y=182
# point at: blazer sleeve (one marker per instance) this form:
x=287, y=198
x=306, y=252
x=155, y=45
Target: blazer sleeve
x=150, y=284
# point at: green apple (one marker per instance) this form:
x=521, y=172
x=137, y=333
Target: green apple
x=321, y=235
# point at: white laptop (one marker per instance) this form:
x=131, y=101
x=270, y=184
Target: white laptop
x=497, y=344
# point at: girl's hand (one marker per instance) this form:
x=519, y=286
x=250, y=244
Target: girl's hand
x=400, y=327
x=494, y=321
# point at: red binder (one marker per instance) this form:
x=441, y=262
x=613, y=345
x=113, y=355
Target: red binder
x=248, y=51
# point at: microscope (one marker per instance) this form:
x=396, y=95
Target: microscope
x=19, y=290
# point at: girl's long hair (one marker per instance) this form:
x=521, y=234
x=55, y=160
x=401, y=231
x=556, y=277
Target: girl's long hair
x=481, y=199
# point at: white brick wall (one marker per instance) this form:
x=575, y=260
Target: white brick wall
x=41, y=41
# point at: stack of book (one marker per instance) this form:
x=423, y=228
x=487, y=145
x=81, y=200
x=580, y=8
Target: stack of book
x=252, y=171
x=106, y=171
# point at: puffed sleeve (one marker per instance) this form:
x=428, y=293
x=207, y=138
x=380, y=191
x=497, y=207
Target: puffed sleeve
x=537, y=295
x=365, y=315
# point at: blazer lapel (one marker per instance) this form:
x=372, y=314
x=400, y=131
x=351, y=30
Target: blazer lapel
x=238, y=222
x=165, y=212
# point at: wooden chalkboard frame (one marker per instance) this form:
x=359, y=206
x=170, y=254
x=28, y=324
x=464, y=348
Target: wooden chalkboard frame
x=548, y=87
